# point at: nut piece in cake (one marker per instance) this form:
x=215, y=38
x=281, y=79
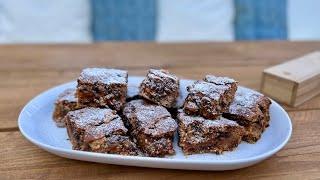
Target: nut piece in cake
x=66, y=102
x=250, y=110
x=160, y=87
x=152, y=127
x=99, y=130
x=200, y=135
x=210, y=97
x=100, y=87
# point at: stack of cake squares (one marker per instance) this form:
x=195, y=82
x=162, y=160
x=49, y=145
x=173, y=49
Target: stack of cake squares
x=201, y=125
x=98, y=118
x=215, y=116
x=152, y=125
x=92, y=122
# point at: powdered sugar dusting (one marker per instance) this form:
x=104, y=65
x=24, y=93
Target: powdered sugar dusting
x=153, y=73
x=161, y=81
x=160, y=87
x=222, y=122
x=214, y=91
x=113, y=127
x=247, y=99
x=154, y=119
x=91, y=116
x=219, y=80
x=245, y=103
x=162, y=126
x=103, y=75
x=68, y=95
x=119, y=138
x=148, y=114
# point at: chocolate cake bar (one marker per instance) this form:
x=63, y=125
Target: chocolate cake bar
x=250, y=110
x=99, y=130
x=200, y=135
x=66, y=102
x=210, y=97
x=160, y=87
x=100, y=87
x=152, y=127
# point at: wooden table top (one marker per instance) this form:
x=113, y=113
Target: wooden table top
x=27, y=70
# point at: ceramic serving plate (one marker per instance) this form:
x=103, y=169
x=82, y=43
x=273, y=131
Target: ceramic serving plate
x=36, y=124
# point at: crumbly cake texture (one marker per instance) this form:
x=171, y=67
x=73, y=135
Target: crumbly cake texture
x=100, y=87
x=250, y=110
x=151, y=126
x=200, y=135
x=160, y=87
x=210, y=97
x=65, y=103
x=99, y=130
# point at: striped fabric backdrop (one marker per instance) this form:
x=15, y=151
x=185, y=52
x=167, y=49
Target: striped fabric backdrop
x=260, y=19
x=122, y=20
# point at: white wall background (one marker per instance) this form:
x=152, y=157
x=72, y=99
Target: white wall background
x=194, y=20
x=303, y=19
x=44, y=21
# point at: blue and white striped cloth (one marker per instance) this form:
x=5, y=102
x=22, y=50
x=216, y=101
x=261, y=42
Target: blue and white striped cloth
x=123, y=20
x=260, y=19
x=83, y=21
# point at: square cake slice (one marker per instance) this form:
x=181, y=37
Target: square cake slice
x=200, y=135
x=100, y=87
x=99, y=130
x=160, y=87
x=152, y=127
x=250, y=110
x=66, y=102
x=210, y=97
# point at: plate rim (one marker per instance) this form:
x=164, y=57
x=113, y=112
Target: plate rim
x=53, y=149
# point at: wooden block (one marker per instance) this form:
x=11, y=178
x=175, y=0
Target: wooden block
x=293, y=82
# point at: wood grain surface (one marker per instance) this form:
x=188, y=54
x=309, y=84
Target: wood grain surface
x=27, y=70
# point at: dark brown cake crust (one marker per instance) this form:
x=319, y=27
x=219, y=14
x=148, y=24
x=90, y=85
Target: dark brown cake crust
x=200, y=135
x=251, y=111
x=99, y=130
x=100, y=87
x=65, y=103
x=160, y=87
x=210, y=97
x=152, y=127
